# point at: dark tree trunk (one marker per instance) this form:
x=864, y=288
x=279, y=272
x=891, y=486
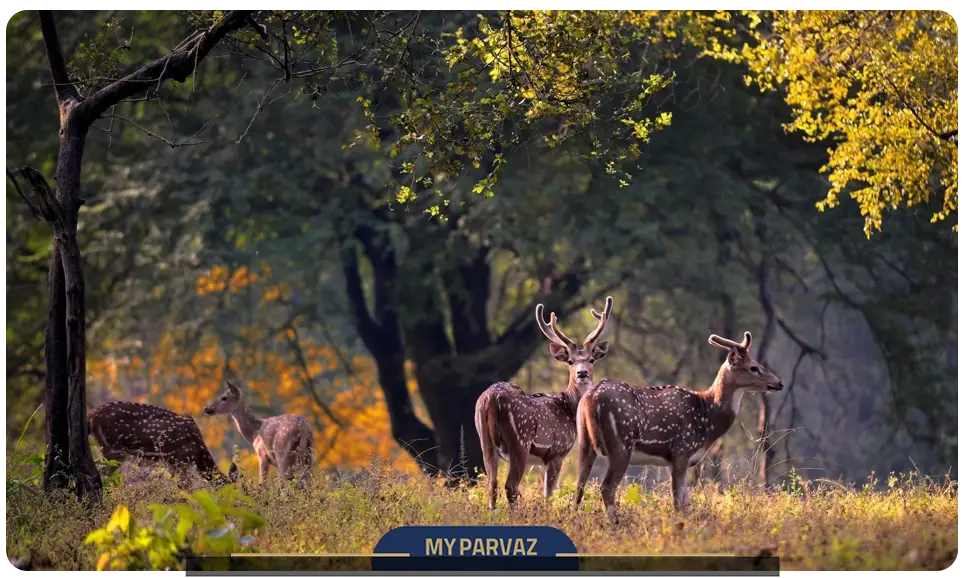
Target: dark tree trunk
x=382, y=336
x=57, y=460
x=68, y=449
x=408, y=319
x=407, y=430
x=88, y=482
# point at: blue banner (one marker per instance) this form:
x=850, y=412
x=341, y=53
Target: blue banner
x=481, y=548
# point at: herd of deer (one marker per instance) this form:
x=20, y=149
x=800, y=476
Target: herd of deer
x=628, y=424
x=664, y=426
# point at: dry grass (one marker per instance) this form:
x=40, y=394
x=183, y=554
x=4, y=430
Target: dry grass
x=912, y=524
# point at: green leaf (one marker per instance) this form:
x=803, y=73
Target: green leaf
x=206, y=501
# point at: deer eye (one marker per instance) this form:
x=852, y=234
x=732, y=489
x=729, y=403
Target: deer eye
x=755, y=369
x=591, y=361
x=224, y=398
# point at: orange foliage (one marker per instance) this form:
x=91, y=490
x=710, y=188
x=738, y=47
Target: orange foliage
x=185, y=382
x=219, y=278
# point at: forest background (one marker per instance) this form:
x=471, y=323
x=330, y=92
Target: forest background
x=359, y=211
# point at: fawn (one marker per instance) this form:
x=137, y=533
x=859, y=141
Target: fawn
x=285, y=441
x=665, y=426
x=540, y=428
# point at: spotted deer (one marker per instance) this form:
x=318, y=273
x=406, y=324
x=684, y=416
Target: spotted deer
x=284, y=441
x=126, y=429
x=540, y=428
x=664, y=426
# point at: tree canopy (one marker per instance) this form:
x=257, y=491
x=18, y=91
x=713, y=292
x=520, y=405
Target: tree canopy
x=880, y=87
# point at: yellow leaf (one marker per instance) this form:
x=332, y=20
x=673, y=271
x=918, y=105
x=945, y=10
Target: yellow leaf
x=103, y=560
x=120, y=520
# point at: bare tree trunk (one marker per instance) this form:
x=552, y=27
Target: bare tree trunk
x=68, y=449
x=57, y=460
x=81, y=460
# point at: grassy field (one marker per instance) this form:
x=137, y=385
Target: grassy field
x=900, y=523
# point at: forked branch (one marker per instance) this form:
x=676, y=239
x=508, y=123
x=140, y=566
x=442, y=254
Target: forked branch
x=177, y=66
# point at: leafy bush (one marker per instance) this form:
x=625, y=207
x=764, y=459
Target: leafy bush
x=208, y=524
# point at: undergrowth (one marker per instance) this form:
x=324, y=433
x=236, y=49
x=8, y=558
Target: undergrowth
x=909, y=522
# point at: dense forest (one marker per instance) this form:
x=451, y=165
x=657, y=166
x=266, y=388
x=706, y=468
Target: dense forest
x=359, y=211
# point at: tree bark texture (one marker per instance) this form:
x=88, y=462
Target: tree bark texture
x=57, y=459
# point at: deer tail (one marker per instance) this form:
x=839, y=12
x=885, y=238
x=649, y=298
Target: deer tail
x=486, y=416
x=586, y=424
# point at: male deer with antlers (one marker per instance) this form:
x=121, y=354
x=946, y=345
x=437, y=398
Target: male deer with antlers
x=540, y=428
x=285, y=441
x=125, y=429
x=664, y=426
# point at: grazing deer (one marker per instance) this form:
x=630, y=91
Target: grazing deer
x=285, y=441
x=540, y=428
x=664, y=426
x=125, y=429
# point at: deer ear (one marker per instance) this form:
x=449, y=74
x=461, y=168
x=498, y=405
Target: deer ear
x=600, y=350
x=734, y=357
x=233, y=388
x=558, y=352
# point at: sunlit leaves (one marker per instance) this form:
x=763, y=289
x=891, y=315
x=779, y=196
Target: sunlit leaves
x=560, y=74
x=880, y=87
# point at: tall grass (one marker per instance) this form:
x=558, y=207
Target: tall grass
x=909, y=523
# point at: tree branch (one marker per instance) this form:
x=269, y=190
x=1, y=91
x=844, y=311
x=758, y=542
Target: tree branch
x=307, y=381
x=33, y=208
x=368, y=330
x=66, y=91
x=176, y=66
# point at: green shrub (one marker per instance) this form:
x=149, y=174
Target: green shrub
x=208, y=524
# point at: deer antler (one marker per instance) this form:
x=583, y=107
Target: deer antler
x=601, y=326
x=552, y=323
x=549, y=329
x=725, y=343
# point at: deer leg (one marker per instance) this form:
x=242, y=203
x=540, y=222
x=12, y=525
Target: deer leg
x=286, y=465
x=550, y=476
x=681, y=494
x=262, y=467
x=491, y=462
x=518, y=456
x=586, y=457
x=616, y=469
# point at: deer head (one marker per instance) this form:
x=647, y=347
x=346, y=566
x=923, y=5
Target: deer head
x=740, y=371
x=229, y=401
x=565, y=350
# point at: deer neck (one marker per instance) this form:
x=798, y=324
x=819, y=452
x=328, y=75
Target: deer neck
x=571, y=396
x=247, y=423
x=722, y=402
